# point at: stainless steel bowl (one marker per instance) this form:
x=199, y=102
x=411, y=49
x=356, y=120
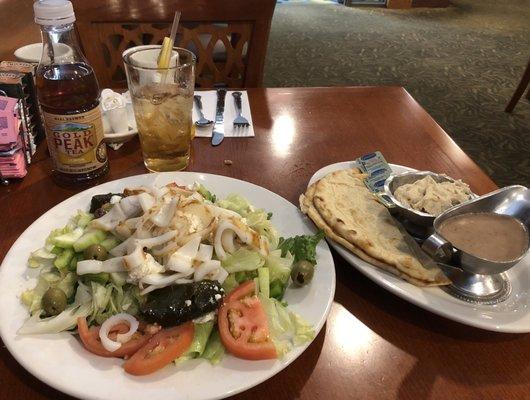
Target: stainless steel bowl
x=396, y=207
x=513, y=201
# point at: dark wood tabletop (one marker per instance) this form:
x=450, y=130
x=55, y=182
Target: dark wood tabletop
x=374, y=345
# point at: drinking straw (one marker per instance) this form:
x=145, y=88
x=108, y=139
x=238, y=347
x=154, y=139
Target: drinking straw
x=167, y=45
x=174, y=27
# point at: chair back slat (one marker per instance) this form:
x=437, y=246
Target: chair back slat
x=229, y=37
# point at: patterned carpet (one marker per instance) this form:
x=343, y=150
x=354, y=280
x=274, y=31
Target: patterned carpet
x=461, y=63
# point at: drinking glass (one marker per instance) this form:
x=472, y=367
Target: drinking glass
x=162, y=100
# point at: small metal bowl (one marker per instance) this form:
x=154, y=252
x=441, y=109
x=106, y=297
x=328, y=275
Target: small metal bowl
x=396, y=207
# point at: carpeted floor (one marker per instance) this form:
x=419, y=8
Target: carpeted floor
x=461, y=63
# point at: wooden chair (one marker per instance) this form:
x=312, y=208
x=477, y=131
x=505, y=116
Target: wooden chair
x=525, y=80
x=229, y=37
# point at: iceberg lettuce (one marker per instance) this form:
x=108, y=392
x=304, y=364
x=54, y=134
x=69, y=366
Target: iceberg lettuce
x=243, y=260
x=259, y=220
x=237, y=203
x=81, y=307
x=41, y=258
x=214, y=351
x=287, y=328
x=200, y=340
x=31, y=298
x=111, y=299
x=62, y=322
x=279, y=267
x=206, y=193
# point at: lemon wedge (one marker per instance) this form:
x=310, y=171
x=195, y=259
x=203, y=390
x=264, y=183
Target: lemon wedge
x=165, y=53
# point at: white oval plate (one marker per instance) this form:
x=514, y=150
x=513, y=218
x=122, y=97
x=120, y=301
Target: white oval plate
x=512, y=315
x=60, y=360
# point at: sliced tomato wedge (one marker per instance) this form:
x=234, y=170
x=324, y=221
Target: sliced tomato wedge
x=92, y=342
x=161, y=349
x=243, y=325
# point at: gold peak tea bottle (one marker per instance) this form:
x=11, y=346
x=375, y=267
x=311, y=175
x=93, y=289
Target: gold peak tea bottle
x=69, y=96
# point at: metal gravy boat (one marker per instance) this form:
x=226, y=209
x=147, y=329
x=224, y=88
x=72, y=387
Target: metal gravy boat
x=513, y=201
x=475, y=279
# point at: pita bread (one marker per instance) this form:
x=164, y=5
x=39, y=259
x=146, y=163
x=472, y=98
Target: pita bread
x=344, y=207
x=306, y=205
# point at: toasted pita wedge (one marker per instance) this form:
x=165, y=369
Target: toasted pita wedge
x=350, y=211
x=306, y=205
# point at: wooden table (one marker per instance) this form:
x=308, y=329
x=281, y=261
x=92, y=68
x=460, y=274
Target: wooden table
x=374, y=345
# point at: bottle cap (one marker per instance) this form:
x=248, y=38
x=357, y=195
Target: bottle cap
x=53, y=12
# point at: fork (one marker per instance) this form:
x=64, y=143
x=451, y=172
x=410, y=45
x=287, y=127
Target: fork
x=239, y=120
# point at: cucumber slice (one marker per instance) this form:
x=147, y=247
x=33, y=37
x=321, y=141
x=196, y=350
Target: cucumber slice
x=110, y=242
x=73, y=262
x=91, y=237
x=263, y=277
x=63, y=260
x=67, y=240
x=276, y=289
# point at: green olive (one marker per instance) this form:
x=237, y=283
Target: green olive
x=95, y=252
x=302, y=273
x=53, y=301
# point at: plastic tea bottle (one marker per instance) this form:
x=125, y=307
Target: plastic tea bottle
x=68, y=93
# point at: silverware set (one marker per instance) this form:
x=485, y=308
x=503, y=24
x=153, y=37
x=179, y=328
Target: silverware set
x=240, y=122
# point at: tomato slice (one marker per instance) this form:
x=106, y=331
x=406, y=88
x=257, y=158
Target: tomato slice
x=243, y=325
x=161, y=349
x=92, y=342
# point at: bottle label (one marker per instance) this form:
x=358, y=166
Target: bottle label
x=76, y=141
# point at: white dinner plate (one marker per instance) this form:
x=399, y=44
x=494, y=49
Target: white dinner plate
x=60, y=360
x=512, y=315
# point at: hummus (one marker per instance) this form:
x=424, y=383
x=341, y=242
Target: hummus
x=432, y=197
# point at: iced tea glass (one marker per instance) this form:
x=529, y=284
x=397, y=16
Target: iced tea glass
x=162, y=100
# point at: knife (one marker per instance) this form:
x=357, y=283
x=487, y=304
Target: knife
x=219, y=128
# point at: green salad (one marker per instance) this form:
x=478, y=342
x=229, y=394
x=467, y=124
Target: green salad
x=156, y=275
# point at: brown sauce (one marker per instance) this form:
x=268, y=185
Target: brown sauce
x=489, y=236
